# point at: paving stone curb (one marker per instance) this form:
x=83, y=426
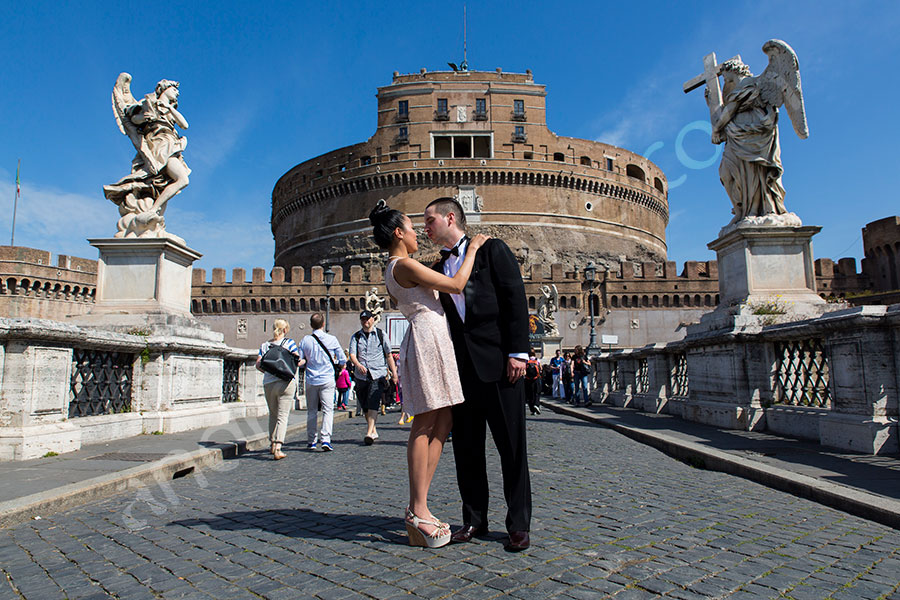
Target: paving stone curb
x=179, y=464
x=874, y=507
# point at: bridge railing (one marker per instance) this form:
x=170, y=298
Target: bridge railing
x=63, y=386
x=834, y=379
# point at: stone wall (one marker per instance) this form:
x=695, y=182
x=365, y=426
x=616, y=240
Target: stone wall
x=834, y=379
x=64, y=386
x=243, y=311
x=30, y=285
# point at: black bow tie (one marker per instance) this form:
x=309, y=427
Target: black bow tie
x=445, y=254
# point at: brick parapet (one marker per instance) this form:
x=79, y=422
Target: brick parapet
x=30, y=285
x=645, y=284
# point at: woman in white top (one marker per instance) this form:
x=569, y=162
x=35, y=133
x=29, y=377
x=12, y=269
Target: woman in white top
x=279, y=393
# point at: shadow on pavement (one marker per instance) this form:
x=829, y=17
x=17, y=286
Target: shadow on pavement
x=307, y=524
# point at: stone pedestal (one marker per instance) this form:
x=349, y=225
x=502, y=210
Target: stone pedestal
x=757, y=263
x=143, y=275
x=549, y=346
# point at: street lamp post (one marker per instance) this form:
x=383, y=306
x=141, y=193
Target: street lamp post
x=329, y=280
x=590, y=276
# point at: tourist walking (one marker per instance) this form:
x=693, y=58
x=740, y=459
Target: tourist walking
x=489, y=328
x=567, y=377
x=581, y=369
x=429, y=373
x=556, y=363
x=279, y=392
x=533, y=383
x=372, y=361
x=321, y=352
x=343, y=388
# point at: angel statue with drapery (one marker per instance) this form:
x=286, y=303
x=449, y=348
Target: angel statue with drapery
x=548, y=304
x=158, y=171
x=744, y=115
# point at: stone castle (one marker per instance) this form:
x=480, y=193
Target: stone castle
x=481, y=137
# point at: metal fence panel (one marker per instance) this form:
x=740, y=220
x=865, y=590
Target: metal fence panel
x=231, y=373
x=802, y=373
x=100, y=383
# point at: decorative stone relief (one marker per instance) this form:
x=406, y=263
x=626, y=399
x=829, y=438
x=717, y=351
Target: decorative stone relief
x=461, y=116
x=241, y=332
x=469, y=199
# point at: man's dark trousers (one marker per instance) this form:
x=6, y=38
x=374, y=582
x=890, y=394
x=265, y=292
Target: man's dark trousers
x=501, y=406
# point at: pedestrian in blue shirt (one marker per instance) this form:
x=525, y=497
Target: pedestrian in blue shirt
x=321, y=352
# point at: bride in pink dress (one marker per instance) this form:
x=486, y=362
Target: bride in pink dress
x=428, y=370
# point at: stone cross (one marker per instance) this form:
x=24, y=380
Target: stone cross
x=709, y=76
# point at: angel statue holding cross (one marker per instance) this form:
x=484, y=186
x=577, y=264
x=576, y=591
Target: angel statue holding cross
x=158, y=171
x=744, y=115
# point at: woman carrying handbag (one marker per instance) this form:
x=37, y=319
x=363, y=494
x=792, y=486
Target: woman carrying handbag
x=278, y=359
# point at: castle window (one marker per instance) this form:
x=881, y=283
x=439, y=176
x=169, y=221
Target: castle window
x=365, y=160
x=586, y=160
x=518, y=113
x=609, y=164
x=528, y=155
x=443, y=147
x=462, y=146
x=635, y=172
x=442, y=113
x=395, y=156
x=519, y=134
x=403, y=135
x=559, y=156
x=480, y=109
x=658, y=184
x=403, y=110
x=481, y=146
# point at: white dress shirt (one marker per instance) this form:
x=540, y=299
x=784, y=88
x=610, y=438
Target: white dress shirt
x=451, y=267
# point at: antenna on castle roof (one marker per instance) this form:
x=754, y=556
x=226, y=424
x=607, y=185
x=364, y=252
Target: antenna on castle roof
x=464, y=65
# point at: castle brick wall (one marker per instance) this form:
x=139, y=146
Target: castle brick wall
x=31, y=286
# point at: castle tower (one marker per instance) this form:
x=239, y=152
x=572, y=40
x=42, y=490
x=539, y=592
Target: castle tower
x=481, y=137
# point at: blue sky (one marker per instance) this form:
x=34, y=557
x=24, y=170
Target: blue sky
x=268, y=85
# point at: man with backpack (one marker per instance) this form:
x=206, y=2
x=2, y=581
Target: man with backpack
x=371, y=357
x=533, y=383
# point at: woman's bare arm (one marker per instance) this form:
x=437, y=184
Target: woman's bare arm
x=410, y=273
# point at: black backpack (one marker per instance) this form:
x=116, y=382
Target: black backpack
x=531, y=371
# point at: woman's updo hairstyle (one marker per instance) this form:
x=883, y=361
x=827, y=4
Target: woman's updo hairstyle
x=384, y=221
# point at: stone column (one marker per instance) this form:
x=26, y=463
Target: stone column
x=729, y=383
x=864, y=385
x=34, y=409
x=653, y=399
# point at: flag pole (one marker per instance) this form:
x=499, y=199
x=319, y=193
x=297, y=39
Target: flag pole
x=12, y=239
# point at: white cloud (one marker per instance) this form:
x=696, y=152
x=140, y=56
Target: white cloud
x=213, y=146
x=51, y=219
x=60, y=222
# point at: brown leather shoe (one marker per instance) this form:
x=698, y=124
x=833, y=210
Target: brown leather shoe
x=518, y=541
x=467, y=533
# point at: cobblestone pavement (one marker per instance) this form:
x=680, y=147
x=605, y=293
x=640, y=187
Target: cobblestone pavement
x=612, y=518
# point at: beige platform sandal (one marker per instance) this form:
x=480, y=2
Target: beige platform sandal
x=437, y=538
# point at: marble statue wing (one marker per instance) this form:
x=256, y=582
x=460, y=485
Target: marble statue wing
x=780, y=84
x=121, y=101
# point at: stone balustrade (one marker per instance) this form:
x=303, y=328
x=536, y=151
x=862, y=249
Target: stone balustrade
x=834, y=379
x=64, y=386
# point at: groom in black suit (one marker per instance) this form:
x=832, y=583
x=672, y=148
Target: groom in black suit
x=489, y=328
